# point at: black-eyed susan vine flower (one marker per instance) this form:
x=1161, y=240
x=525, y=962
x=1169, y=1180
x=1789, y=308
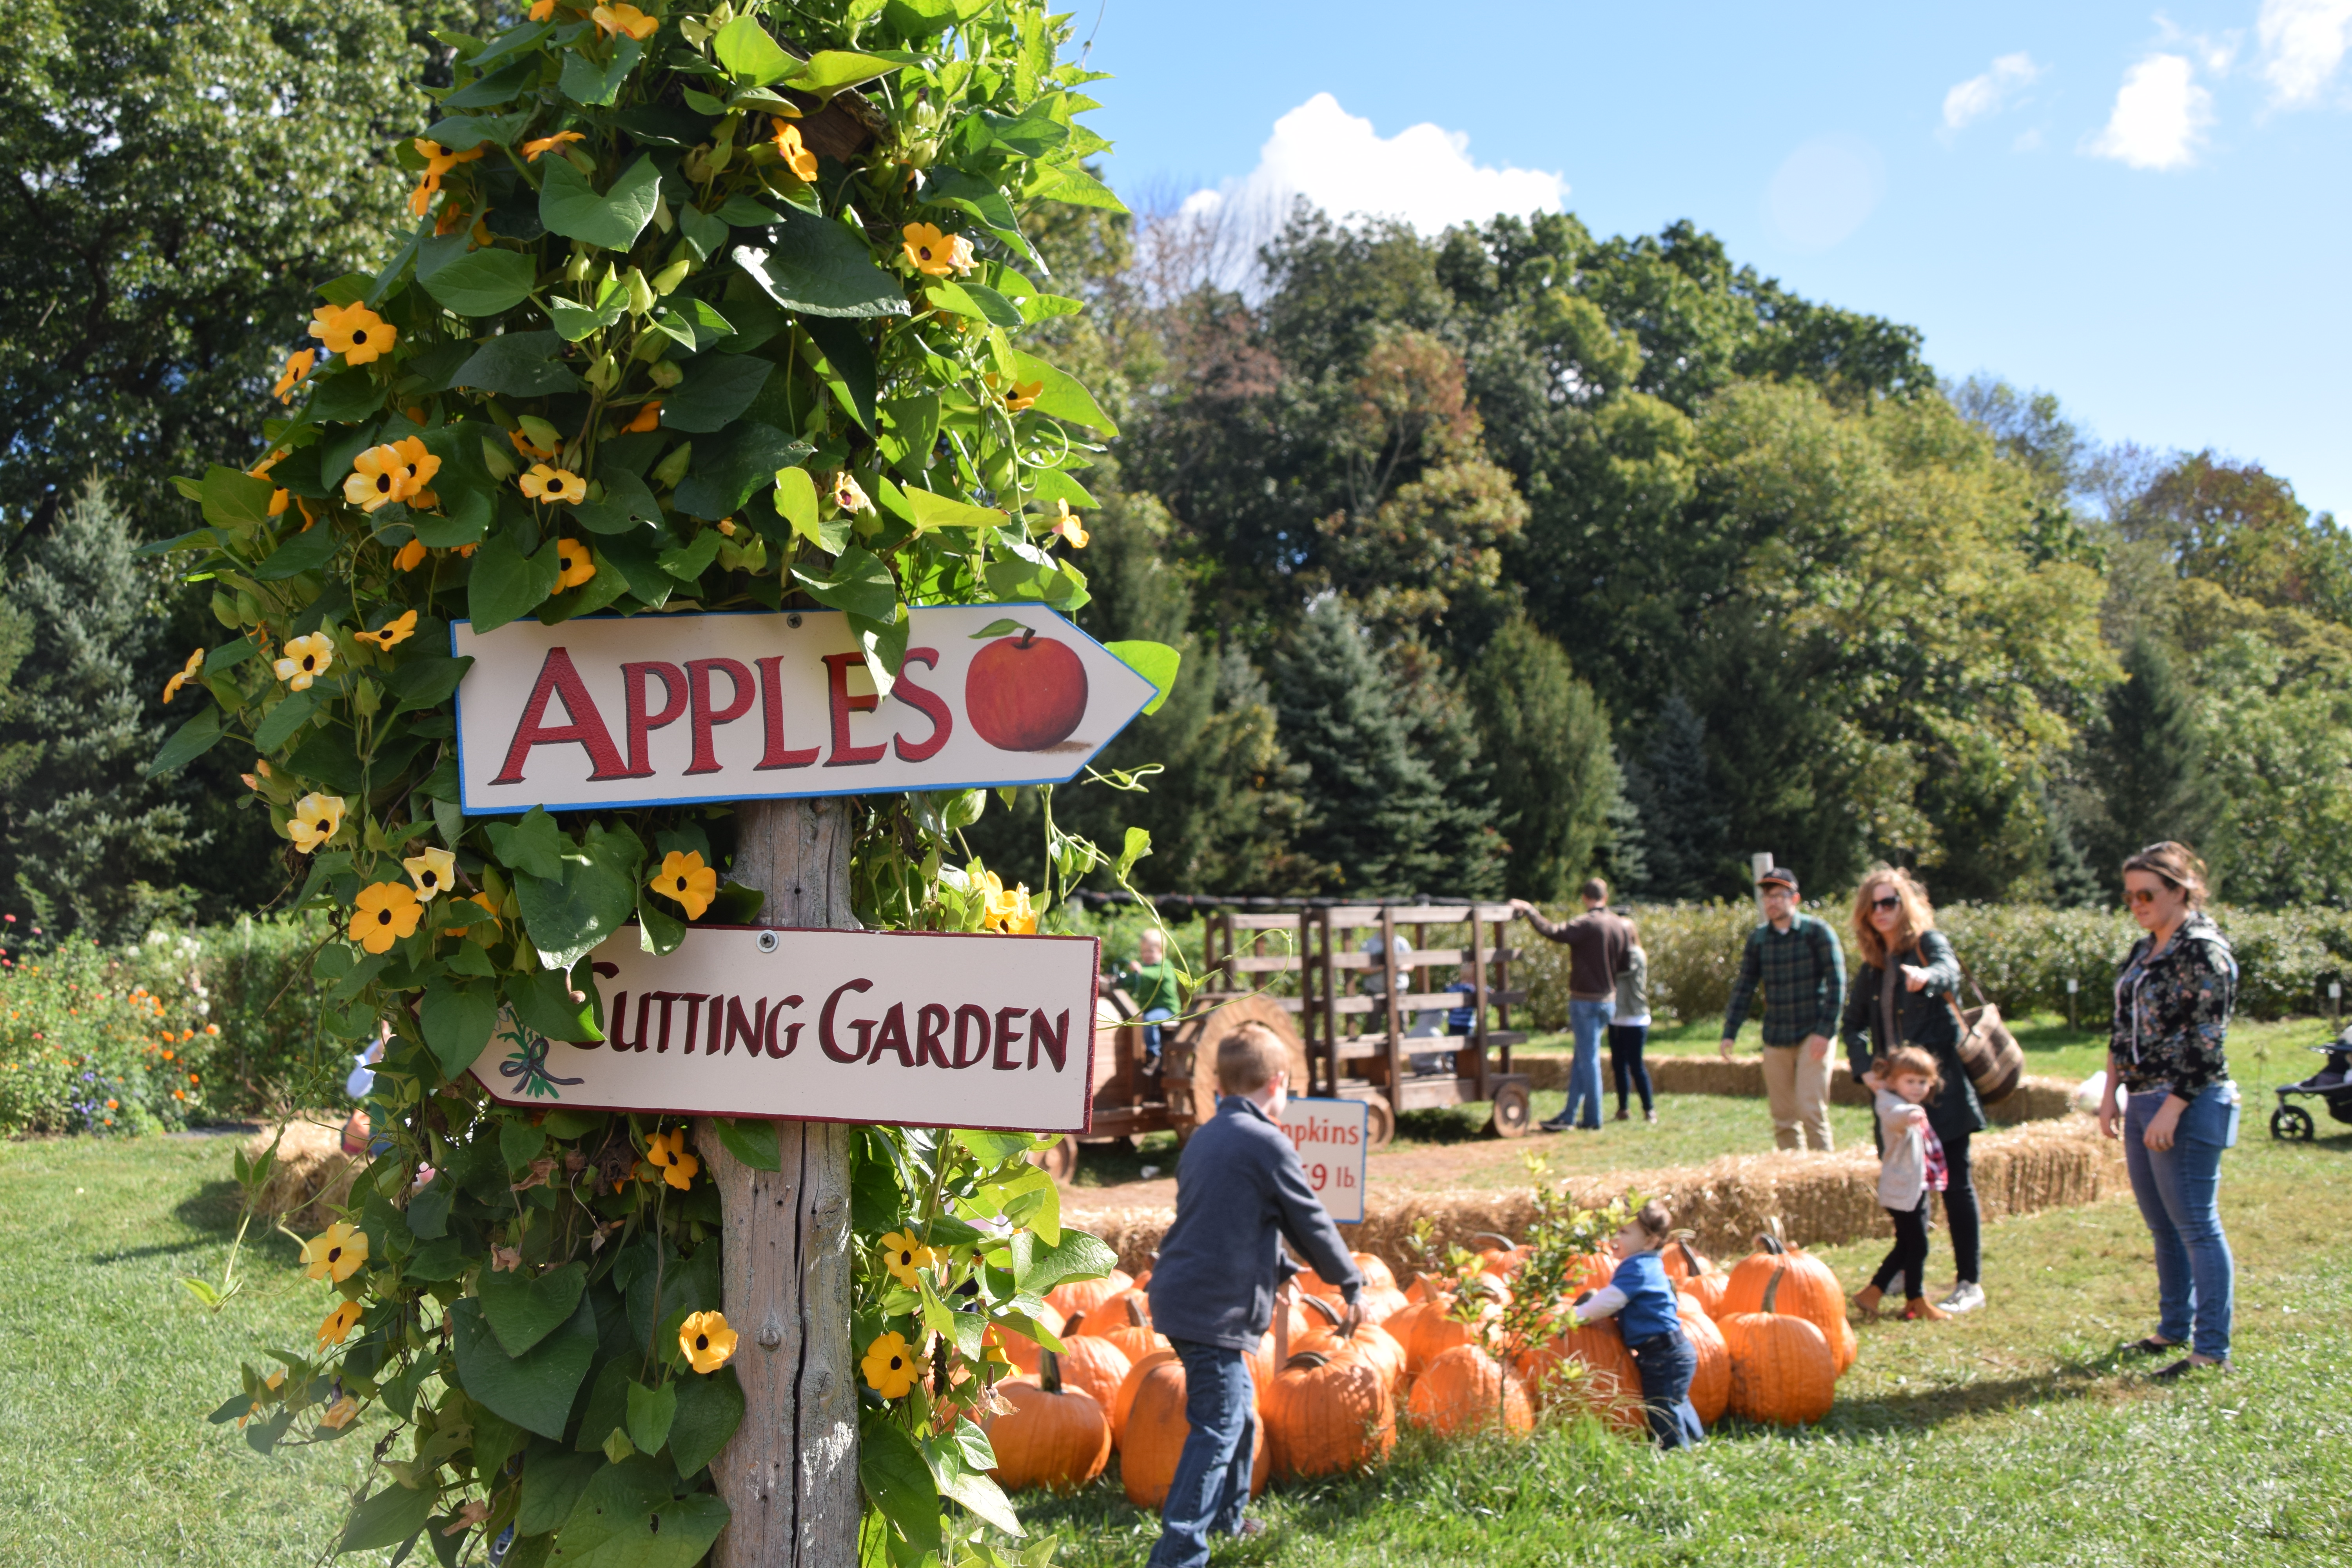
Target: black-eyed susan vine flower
x=487, y=902
x=615, y=19
x=386, y=912
x=926, y=249
x=340, y=1322
x=305, y=658
x=186, y=673
x=336, y=1253
x=686, y=880
x=889, y=1366
x=297, y=371
x=1068, y=527
x=547, y=484
x=538, y=144
x=339, y=1414
x=707, y=1340
x=797, y=156
x=648, y=419
x=431, y=870
x=576, y=565
x=354, y=331
x=905, y=1256
x=393, y=632
x=379, y=476
x=317, y=818
x=848, y=495
x=410, y=557
x=665, y=1152
x=1023, y=396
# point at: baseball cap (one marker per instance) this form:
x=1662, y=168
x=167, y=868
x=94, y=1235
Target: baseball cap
x=1779, y=876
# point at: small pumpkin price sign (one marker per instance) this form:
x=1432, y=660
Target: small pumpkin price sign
x=675, y=709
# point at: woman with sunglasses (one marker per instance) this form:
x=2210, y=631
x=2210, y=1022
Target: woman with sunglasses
x=1902, y=996
x=2172, y=1016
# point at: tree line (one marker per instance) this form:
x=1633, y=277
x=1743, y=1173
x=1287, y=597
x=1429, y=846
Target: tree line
x=1496, y=558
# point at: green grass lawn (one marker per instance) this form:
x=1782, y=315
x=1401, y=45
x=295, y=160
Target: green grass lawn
x=2015, y=1436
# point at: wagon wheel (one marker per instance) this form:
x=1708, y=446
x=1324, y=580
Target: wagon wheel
x=1379, y=1124
x=1060, y=1161
x=2292, y=1121
x=1511, y=1112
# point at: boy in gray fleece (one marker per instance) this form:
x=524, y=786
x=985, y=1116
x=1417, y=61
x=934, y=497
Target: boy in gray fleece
x=1240, y=1193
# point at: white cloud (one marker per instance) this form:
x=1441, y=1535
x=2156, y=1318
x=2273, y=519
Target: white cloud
x=1989, y=93
x=2160, y=116
x=1424, y=174
x=2302, y=43
x=1823, y=191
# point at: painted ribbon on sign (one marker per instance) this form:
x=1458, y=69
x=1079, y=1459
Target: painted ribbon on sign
x=915, y=1028
x=667, y=710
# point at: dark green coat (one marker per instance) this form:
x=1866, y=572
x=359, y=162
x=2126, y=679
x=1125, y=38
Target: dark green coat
x=1922, y=1018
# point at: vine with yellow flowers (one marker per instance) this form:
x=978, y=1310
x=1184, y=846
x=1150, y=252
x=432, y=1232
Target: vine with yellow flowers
x=702, y=306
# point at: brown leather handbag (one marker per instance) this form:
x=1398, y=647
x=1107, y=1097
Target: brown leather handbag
x=1988, y=1052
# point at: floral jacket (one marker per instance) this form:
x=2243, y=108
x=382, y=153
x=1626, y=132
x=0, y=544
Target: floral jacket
x=2172, y=1011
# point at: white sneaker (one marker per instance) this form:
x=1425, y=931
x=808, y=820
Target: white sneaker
x=1966, y=1297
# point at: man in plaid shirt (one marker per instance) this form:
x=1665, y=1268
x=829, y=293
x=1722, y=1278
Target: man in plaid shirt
x=1796, y=959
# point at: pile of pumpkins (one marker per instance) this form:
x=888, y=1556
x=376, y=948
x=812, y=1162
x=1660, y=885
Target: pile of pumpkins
x=1770, y=1333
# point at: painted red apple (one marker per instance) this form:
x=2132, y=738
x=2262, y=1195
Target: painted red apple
x=1025, y=693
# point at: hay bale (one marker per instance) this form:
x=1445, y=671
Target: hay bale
x=312, y=1181
x=2034, y=1098
x=1820, y=1200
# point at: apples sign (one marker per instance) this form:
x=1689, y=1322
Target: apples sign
x=658, y=709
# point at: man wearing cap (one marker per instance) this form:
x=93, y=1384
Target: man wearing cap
x=1796, y=959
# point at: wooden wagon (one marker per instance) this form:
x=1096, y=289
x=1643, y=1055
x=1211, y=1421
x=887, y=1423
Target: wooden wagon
x=1348, y=1022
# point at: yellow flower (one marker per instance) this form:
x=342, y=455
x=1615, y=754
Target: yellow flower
x=439, y=160
x=546, y=484
x=522, y=444
x=336, y=1254
x=297, y=371
x=485, y=901
x=847, y=496
x=926, y=249
x=648, y=418
x=797, y=157
x=187, y=673
x=430, y=871
x=379, y=476
x=305, y=659
x=663, y=1148
x=1008, y=912
x=538, y=144
x=1069, y=527
x=684, y=877
x=1022, y=394
x=411, y=556
x=341, y=1413
x=577, y=566
x=889, y=1366
x=905, y=1256
x=387, y=911
x=540, y=10
x=393, y=632
x=354, y=331
x=421, y=463
x=279, y=501
x=339, y=1322
x=616, y=19
x=707, y=1340
x=317, y=818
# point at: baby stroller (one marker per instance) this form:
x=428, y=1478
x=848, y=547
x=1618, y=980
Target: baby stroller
x=2331, y=1084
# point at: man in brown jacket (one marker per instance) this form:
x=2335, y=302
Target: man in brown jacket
x=1597, y=944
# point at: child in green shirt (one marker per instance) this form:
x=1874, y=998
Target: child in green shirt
x=1152, y=980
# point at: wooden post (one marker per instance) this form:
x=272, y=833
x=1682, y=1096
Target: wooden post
x=790, y=1474
x=1330, y=994
x=1306, y=1000
x=1388, y=994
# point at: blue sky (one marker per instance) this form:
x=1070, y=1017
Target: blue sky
x=2142, y=211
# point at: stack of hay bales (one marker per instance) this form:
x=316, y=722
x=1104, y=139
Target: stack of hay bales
x=312, y=1178
x=2034, y=1098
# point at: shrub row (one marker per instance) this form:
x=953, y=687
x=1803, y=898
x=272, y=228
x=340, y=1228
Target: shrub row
x=2022, y=954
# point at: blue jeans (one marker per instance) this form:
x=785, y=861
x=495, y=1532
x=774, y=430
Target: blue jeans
x=1589, y=1020
x=2179, y=1191
x=1152, y=1018
x=1212, y=1474
x=1665, y=1363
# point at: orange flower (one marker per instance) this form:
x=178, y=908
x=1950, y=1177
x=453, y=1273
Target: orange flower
x=422, y=466
x=411, y=556
x=538, y=144
x=546, y=484
x=278, y=501
x=1068, y=527
x=684, y=877
x=387, y=911
x=336, y=1255
x=352, y=330
x=797, y=157
x=341, y=1413
x=522, y=444
x=926, y=250
x=187, y=673
x=540, y=10
x=393, y=632
x=617, y=19
x=297, y=371
x=481, y=898
x=577, y=566
x=379, y=476
x=648, y=418
x=1022, y=394
x=707, y=1340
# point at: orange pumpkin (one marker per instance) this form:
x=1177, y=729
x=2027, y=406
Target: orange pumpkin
x=1464, y=1391
x=1382, y=1303
x=1328, y=1413
x=1588, y=1271
x=1123, y=1400
x=1368, y=1342
x=1711, y=1389
x=1782, y=1368
x=1707, y=1291
x=1587, y=1368
x=1073, y=1296
x=1155, y=1432
x=1052, y=1436
x=1093, y=1364
x=1125, y=1323
x=1683, y=1261
x=1437, y=1331
x=1375, y=1272
x=1808, y=1290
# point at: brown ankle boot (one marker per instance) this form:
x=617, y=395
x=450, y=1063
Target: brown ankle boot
x=1867, y=1299
x=1923, y=1311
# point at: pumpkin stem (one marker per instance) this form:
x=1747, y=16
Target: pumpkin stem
x=1508, y=1245
x=1070, y=1324
x=1134, y=1314
x=1769, y=1241
x=1049, y=1370
x=1330, y=1314
x=1306, y=1359
x=1772, y=1288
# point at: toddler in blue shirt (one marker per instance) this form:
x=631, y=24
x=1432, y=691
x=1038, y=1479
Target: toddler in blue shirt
x=1642, y=1299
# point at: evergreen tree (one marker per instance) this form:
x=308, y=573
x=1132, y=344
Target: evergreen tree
x=1682, y=818
x=1556, y=781
x=1379, y=815
x=2150, y=759
x=85, y=836
x=1465, y=853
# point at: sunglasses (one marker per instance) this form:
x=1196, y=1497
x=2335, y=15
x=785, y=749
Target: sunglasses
x=1888, y=902
x=2140, y=896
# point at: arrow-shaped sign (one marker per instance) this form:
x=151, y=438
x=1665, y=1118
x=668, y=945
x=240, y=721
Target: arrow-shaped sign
x=659, y=710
